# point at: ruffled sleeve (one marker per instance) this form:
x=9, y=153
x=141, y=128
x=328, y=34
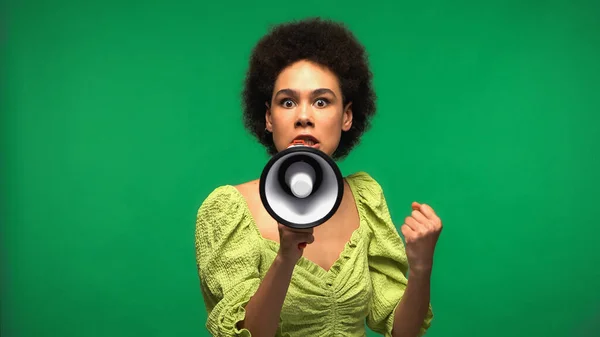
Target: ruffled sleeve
x=228, y=257
x=388, y=264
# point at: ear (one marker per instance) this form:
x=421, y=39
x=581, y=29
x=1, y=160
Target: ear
x=347, y=117
x=268, y=121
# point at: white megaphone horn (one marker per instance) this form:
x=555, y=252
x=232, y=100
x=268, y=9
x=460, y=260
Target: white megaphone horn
x=301, y=187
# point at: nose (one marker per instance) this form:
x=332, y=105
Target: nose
x=305, y=117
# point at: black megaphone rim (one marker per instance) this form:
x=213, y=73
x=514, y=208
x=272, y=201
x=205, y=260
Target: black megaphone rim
x=293, y=149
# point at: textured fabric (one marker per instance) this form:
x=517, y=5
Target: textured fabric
x=363, y=286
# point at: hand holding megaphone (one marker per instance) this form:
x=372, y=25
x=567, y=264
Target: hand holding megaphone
x=301, y=188
x=292, y=242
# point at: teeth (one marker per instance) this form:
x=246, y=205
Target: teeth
x=308, y=142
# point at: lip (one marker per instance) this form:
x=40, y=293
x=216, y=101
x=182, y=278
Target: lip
x=307, y=137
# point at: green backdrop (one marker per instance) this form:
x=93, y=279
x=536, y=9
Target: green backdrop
x=118, y=118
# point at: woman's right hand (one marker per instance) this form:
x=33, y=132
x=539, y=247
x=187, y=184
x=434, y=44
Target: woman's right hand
x=292, y=242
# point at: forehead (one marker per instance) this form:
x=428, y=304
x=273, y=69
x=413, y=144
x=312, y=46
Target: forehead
x=306, y=76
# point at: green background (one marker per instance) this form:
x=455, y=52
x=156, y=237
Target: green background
x=118, y=118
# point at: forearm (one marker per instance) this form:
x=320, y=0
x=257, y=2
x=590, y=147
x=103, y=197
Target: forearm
x=413, y=306
x=264, y=308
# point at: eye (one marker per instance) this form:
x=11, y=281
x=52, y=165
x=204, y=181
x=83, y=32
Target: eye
x=287, y=103
x=322, y=102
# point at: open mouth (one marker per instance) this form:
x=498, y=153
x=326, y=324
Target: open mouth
x=307, y=140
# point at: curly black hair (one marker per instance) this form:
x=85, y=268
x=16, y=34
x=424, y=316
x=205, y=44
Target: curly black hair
x=325, y=42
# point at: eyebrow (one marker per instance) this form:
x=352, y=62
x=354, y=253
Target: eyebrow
x=316, y=92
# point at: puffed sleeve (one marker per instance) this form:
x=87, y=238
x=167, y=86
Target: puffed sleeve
x=388, y=263
x=228, y=257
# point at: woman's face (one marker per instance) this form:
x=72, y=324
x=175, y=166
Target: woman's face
x=307, y=105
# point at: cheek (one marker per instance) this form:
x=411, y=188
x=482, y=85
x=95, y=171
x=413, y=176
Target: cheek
x=281, y=135
x=333, y=126
x=281, y=119
x=332, y=133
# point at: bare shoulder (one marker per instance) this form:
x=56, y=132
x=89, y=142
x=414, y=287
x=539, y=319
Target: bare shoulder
x=248, y=189
x=266, y=225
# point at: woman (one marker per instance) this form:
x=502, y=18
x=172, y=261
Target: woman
x=310, y=80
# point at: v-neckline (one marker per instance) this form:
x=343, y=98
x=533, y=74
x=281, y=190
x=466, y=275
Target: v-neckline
x=348, y=246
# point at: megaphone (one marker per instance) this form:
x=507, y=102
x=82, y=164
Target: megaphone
x=301, y=187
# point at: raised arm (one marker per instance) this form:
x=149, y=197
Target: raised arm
x=421, y=231
x=400, y=305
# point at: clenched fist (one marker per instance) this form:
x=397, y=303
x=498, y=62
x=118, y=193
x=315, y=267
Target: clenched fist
x=421, y=231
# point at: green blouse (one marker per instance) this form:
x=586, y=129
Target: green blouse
x=364, y=285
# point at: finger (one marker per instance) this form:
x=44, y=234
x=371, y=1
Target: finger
x=407, y=232
x=412, y=223
x=424, y=222
x=306, y=241
x=309, y=238
x=428, y=212
x=420, y=217
x=432, y=216
x=415, y=205
x=419, y=227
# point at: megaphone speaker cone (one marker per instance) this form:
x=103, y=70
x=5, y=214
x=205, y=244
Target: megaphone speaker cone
x=301, y=187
